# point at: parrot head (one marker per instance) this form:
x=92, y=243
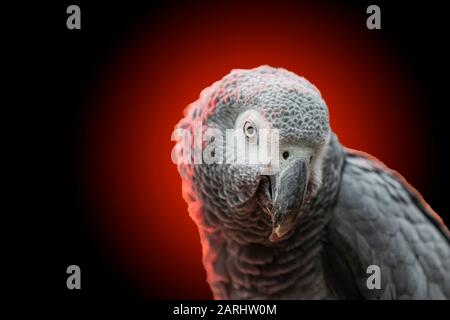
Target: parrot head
x=278, y=119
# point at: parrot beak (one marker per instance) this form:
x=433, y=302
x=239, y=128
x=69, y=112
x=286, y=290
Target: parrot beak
x=288, y=192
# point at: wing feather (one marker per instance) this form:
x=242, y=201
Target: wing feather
x=379, y=219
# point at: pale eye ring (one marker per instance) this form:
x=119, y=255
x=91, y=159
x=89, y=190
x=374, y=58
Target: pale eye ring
x=249, y=129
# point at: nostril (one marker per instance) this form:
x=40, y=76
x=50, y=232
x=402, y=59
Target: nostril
x=285, y=155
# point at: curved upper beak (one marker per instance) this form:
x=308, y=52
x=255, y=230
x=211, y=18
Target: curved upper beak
x=288, y=188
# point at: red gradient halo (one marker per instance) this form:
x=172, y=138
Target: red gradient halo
x=132, y=182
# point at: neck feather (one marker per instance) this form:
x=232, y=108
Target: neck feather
x=293, y=267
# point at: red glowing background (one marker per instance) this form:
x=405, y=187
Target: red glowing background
x=162, y=67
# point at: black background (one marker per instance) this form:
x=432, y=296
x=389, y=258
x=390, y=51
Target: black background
x=55, y=71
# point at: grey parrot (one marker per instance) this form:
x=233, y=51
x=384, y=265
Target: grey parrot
x=319, y=227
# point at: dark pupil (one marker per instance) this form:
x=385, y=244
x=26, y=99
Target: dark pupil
x=286, y=154
x=250, y=130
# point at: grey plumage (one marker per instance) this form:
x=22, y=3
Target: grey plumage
x=355, y=212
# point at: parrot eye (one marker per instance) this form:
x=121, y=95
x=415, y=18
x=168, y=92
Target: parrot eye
x=249, y=129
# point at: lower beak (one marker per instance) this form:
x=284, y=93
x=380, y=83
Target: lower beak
x=288, y=193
